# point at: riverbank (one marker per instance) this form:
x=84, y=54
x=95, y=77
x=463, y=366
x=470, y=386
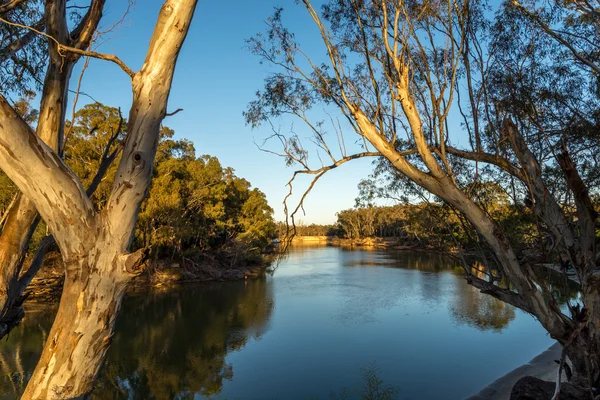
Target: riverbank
x=371, y=242
x=201, y=267
x=542, y=366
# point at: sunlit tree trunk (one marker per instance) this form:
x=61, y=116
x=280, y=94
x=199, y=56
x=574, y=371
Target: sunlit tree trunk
x=22, y=217
x=94, y=246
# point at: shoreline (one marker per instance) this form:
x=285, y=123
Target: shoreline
x=541, y=366
x=165, y=275
x=370, y=242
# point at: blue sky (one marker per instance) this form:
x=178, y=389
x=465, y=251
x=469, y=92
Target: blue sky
x=216, y=78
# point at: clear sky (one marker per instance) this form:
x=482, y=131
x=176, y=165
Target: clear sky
x=216, y=78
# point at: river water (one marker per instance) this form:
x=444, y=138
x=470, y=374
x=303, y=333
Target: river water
x=329, y=323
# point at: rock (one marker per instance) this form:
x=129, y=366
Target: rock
x=530, y=388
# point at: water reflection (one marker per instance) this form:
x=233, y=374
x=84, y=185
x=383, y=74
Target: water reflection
x=338, y=310
x=481, y=312
x=467, y=305
x=21, y=350
x=167, y=345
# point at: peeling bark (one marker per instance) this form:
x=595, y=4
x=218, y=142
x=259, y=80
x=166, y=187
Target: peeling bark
x=22, y=218
x=95, y=246
x=82, y=330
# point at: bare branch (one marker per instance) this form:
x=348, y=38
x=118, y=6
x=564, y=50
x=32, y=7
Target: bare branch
x=10, y=5
x=505, y=295
x=489, y=158
x=170, y=114
x=63, y=48
x=83, y=33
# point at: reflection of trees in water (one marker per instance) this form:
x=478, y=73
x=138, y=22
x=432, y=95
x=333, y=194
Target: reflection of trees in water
x=481, y=311
x=485, y=312
x=410, y=260
x=20, y=352
x=167, y=345
x=562, y=289
x=176, y=346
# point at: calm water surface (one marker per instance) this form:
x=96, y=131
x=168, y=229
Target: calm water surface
x=309, y=331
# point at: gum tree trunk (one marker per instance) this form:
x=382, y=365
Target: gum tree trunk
x=22, y=218
x=81, y=333
x=94, y=245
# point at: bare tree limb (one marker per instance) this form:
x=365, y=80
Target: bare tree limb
x=556, y=36
x=64, y=48
x=170, y=114
x=505, y=295
x=10, y=5
x=82, y=34
x=489, y=158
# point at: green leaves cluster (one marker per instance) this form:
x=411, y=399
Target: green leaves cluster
x=194, y=203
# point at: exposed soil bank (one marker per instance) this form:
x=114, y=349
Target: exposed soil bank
x=542, y=367
x=47, y=285
x=376, y=242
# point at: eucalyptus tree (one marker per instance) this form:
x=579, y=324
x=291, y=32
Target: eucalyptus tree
x=24, y=46
x=95, y=245
x=402, y=75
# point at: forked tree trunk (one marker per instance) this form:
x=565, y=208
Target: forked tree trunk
x=22, y=217
x=94, y=246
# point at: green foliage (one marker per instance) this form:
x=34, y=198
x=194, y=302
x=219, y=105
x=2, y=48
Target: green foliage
x=193, y=204
x=308, y=230
x=196, y=203
x=87, y=137
x=434, y=224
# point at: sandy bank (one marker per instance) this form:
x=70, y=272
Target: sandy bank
x=542, y=367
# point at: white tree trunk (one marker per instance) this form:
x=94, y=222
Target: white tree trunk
x=94, y=246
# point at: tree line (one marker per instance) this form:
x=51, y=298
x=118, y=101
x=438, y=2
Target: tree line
x=436, y=224
x=194, y=204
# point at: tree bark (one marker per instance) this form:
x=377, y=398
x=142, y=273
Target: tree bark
x=22, y=218
x=95, y=246
x=82, y=330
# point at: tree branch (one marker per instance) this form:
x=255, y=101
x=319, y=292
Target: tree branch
x=151, y=87
x=505, y=295
x=10, y=5
x=556, y=36
x=489, y=158
x=11, y=49
x=82, y=34
x=61, y=48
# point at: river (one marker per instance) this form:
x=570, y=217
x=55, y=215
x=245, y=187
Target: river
x=329, y=323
